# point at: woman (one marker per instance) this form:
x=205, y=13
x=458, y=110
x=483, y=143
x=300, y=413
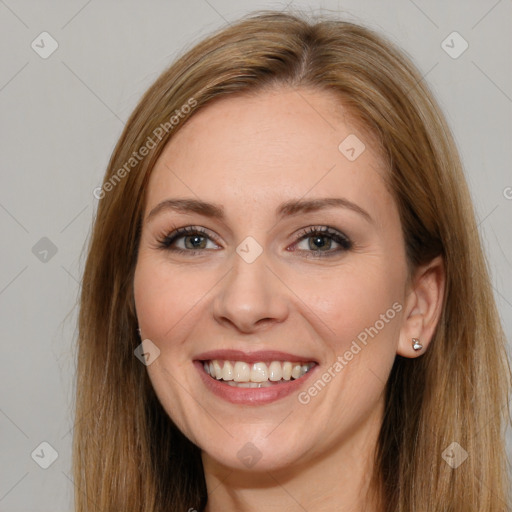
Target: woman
x=285, y=303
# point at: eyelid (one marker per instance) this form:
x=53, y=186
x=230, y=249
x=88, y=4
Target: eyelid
x=324, y=229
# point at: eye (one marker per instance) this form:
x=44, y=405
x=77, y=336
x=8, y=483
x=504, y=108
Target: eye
x=322, y=241
x=188, y=239
x=319, y=241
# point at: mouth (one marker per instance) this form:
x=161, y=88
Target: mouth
x=253, y=378
x=261, y=374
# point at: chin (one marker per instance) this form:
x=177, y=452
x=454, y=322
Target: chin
x=255, y=457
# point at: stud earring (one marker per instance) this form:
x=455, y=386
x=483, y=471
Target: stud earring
x=416, y=345
x=138, y=330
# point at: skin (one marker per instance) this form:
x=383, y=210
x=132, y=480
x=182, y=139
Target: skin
x=249, y=154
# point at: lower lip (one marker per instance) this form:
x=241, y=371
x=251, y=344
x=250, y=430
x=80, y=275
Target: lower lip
x=251, y=396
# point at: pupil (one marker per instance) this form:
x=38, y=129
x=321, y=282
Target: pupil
x=320, y=242
x=194, y=241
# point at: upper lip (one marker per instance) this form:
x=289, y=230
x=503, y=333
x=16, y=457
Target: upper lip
x=252, y=357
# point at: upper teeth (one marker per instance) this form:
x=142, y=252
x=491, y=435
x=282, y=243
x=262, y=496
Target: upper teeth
x=240, y=371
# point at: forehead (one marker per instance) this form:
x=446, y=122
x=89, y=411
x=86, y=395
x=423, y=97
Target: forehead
x=267, y=148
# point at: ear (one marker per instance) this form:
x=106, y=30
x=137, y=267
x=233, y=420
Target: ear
x=423, y=306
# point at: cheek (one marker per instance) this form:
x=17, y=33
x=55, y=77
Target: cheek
x=164, y=301
x=362, y=307
x=353, y=299
x=163, y=298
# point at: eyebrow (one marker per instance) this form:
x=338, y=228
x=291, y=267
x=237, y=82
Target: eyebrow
x=286, y=209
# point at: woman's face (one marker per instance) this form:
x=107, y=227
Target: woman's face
x=292, y=261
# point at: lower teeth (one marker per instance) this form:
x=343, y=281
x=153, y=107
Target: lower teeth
x=265, y=384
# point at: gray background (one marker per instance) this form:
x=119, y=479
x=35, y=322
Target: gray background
x=61, y=117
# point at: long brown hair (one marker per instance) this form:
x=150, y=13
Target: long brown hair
x=127, y=453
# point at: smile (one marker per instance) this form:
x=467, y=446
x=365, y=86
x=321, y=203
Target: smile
x=254, y=378
x=260, y=374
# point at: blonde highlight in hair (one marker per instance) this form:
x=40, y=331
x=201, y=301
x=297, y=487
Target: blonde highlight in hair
x=128, y=455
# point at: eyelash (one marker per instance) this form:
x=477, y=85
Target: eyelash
x=323, y=231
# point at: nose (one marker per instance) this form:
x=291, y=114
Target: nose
x=251, y=297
